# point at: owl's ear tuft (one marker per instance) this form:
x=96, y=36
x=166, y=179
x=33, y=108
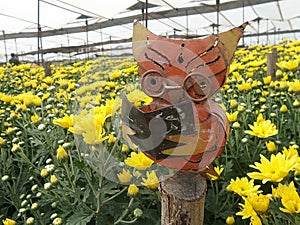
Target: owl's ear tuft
x=139, y=38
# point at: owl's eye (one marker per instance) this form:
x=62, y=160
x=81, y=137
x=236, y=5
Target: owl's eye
x=153, y=83
x=198, y=86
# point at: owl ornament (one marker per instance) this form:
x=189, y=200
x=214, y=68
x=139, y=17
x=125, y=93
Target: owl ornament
x=182, y=128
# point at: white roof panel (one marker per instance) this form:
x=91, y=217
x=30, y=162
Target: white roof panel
x=282, y=15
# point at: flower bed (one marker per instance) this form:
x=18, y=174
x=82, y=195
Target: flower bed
x=63, y=158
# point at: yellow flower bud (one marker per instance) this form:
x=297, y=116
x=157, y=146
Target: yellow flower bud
x=296, y=103
x=34, y=206
x=34, y=118
x=125, y=148
x=233, y=103
x=241, y=108
x=230, y=220
x=284, y=108
x=9, y=222
x=236, y=125
x=271, y=146
x=53, y=179
x=61, y=153
x=133, y=190
x=30, y=220
x=111, y=138
x=44, y=173
x=57, y=221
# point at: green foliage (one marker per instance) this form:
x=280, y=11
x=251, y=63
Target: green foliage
x=81, y=186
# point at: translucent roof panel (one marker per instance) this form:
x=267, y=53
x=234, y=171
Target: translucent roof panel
x=94, y=23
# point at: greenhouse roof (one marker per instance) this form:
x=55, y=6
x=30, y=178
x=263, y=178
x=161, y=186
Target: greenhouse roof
x=75, y=28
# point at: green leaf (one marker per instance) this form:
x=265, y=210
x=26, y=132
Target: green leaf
x=80, y=217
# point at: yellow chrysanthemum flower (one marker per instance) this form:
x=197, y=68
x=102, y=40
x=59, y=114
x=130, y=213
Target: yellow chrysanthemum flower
x=137, y=96
x=124, y=177
x=112, y=105
x=232, y=117
x=243, y=187
x=274, y=170
x=90, y=125
x=45, y=96
x=65, y=122
x=262, y=128
x=255, y=220
x=9, y=222
x=10, y=130
x=217, y=174
x=244, y=86
x=294, y=86
x=265, y=93
x=289, y=65
x=267, y=80
x=260, y=203
x=282, y=190
x=291, y=205
x=2, y=141
x=34, y=118
x=115, y=74
x=152, y=181
x=139, y=161
x=289, y=198
x=291, y=152
x=247, y=210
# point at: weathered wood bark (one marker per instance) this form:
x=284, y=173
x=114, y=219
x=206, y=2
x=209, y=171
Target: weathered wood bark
x=183, y=198
x=271, y=63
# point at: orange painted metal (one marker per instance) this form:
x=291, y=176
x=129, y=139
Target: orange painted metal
x=183, y=127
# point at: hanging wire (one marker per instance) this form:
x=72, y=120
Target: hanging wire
x=76, y=7
x=280, y=11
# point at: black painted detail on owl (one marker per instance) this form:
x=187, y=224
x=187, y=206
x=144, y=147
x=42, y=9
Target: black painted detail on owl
x=208, y=63
x=180, y=59
x=155, y=62
x=152, y=127
x=201, y=54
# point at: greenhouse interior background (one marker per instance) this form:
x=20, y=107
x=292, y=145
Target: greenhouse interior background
x=70, y=30
x=91, y=135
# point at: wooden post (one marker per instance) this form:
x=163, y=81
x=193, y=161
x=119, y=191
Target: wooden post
x=271, y=63
x=182, y=198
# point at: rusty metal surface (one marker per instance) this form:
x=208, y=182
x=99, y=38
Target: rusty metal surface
x=183, y=127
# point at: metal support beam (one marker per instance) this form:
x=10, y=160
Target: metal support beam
x=128, y=20
x=70, y=49
x=218, y=14
x=4, y=40
x=146, y=15
x=38, y=32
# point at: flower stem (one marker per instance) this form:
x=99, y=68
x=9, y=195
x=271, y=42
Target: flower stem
x=124, y=212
